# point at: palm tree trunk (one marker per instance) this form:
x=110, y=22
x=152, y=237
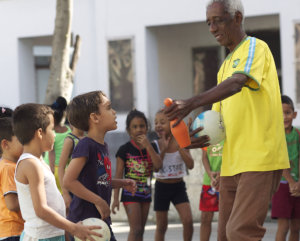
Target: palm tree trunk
x=60, y=82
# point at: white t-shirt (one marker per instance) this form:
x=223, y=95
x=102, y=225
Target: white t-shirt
x=34, y=226
x=173, y=166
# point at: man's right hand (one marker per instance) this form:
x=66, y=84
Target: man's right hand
x=178, y=110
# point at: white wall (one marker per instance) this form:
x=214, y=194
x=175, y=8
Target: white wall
x=100, y=20
x=289, y=16
x=19, y=21
x=164, y=32
x=26, y=71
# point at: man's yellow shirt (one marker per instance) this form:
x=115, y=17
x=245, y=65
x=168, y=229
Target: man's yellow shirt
x=253, y=118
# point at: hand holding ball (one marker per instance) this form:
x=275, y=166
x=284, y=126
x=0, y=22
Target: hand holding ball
x=104, y=231
x=212, y=124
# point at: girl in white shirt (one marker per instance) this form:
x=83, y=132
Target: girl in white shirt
x=170, y=186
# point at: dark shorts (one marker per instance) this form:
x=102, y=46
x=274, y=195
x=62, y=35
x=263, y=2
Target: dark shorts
x=169, y=192
x=284, y=205
x=209, y=200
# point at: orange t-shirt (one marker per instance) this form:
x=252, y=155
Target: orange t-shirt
x=11, y=223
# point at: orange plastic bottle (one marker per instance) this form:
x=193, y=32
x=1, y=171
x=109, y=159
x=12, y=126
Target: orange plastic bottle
x=180, y=132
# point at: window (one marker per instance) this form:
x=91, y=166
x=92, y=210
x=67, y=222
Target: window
x=121, y=74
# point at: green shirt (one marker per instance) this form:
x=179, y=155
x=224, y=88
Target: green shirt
x=75, y=140
x=293, y=145
x=58, y=145
x=214, y=155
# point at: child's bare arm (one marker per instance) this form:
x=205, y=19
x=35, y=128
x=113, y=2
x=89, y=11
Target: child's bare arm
x=119, y=175
x=163, y=143
x=33, y=173
x=185, y=154
x=205, y=161
x=12, y=202
x=10, y=190
x=155, y=157
x=299, y=168
x=213, y=175
x=71, y=183
x=287, y=175
x=187, y=158
x=128, y=184
x=52, y=160
x=63, y=160
x=296, y=187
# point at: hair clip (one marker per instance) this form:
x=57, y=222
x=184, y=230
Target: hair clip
x=55, y=105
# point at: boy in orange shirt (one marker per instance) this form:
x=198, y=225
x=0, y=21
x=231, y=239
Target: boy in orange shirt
x=11, y=222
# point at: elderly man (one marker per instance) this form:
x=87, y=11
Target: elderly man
x=248, y=98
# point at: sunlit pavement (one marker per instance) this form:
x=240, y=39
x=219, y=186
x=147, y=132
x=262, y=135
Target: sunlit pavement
x=174, y=232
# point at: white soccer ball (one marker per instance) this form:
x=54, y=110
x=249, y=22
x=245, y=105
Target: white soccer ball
x=213, y=126
x=104, y=231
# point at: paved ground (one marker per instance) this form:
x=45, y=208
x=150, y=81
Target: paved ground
x=174, y=232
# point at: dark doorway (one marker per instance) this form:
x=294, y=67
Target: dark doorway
x=205, y=68
x=272, y=38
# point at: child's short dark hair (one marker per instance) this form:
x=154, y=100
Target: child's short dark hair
x=80, y=108
x=59, y=106
x=5, y=112
x=287, y=100
x=28, y=118
x=133, y=114
x=6, y=130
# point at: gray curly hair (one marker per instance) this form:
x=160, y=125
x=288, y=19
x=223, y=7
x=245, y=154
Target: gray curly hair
x=230, y=6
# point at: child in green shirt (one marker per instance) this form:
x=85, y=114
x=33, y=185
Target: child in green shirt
x=286, y=201
x=209, y=199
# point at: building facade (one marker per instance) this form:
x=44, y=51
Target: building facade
x=138, y=52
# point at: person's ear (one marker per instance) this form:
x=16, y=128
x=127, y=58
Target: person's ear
x=238, y=17
x=295, y=115
x=128, y=131
x=94, y=117
x=39, y=133
x=4, y=144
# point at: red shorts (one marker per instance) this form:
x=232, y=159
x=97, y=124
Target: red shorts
x=127, y=203
x=209, y=200
x=284, y=205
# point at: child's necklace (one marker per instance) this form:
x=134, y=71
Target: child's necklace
x=140, y=150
